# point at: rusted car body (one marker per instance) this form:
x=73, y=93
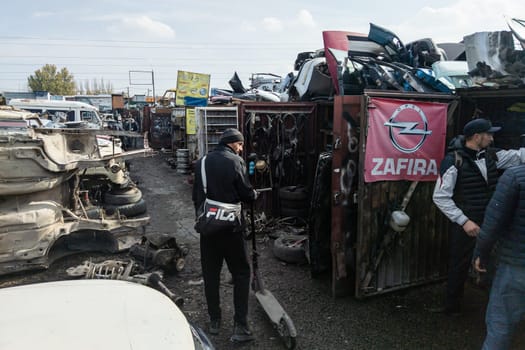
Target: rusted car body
x=52, y=188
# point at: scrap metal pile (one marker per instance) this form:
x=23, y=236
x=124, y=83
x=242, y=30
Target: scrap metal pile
x=353, y=62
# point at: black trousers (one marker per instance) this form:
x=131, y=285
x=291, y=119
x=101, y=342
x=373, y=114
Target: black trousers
x=461, y=248
x=229, y=247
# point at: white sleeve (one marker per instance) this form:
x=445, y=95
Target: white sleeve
x=511, y=157
x=442, y=197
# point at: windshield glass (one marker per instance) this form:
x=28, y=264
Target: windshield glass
x=90, y=116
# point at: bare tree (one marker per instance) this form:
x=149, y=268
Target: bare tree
x=96, y=87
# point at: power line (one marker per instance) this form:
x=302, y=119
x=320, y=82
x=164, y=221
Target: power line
x=123, y=79
x=191, y=47
x=185, y=59
x=174, y=71
x=166, y=63
x=190, y=44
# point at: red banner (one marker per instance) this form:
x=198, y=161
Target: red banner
x=405, y=140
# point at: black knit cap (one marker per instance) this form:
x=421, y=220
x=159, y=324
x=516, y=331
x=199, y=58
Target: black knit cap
x=230, y=136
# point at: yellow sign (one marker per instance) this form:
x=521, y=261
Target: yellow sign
x=191, y=128
x=192, y=89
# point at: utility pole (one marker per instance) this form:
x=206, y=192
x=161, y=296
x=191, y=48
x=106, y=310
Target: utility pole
x=153, y=84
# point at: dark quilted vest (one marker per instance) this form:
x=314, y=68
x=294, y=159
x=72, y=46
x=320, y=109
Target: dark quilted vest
x=472, y=193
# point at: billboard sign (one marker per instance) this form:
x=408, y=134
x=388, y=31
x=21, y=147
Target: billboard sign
x=192, y=89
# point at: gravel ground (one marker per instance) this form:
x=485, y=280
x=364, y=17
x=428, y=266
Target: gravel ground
x=398, y=320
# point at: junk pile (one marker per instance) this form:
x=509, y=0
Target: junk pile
x=124, y=271
x=263, y=87
x=353, y=62
x=155, y=255
x=290, y=236
x=160, y=250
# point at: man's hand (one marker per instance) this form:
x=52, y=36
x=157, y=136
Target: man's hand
x=477, y=266
x=471, y=228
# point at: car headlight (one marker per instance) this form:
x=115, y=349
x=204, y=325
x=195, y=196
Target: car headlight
x=115, y=168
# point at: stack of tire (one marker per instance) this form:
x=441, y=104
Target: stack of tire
x=294, y=201
x=127, y=201
x=183, y=161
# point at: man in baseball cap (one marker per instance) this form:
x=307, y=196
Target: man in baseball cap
x=468, y=177
x=478, y=126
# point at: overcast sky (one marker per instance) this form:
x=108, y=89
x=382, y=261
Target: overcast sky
x=108, y=39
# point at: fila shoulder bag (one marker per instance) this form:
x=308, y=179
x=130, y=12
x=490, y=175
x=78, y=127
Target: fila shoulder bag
x=215, y=216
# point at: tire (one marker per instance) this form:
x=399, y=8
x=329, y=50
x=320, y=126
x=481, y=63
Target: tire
x=294, y=212
x=293, y=193
x=128, y=210
x=290, y=248
x=125, y=196
x=286, y=203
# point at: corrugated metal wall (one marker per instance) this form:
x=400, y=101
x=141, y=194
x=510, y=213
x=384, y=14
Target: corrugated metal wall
x=415, y=256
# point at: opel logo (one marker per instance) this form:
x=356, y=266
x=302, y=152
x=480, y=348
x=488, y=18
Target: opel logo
x=409, y=139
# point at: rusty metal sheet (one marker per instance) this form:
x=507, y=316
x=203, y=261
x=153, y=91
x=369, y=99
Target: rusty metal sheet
x=346, y=131
x=385, y=260
x=360, y=210
x=160, y=129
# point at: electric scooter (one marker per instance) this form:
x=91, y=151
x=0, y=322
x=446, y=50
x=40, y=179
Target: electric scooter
x=280, y=319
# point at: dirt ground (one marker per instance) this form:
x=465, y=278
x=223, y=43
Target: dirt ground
x=398, y=320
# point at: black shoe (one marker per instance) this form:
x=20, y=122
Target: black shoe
x=445, y=310
x=215, y=326
x=241, y=333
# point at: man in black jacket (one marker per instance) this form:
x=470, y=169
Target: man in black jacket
x=468, y=177
x=227, y=182
x=504, y=222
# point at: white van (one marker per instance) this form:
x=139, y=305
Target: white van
x=66, y=112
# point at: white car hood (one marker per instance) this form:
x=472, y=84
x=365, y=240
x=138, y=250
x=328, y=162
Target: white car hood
x=90, y=314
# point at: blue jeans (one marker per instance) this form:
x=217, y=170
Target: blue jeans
x=506, y=306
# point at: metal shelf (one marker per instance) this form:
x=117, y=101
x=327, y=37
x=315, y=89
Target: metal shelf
x=211, y=122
